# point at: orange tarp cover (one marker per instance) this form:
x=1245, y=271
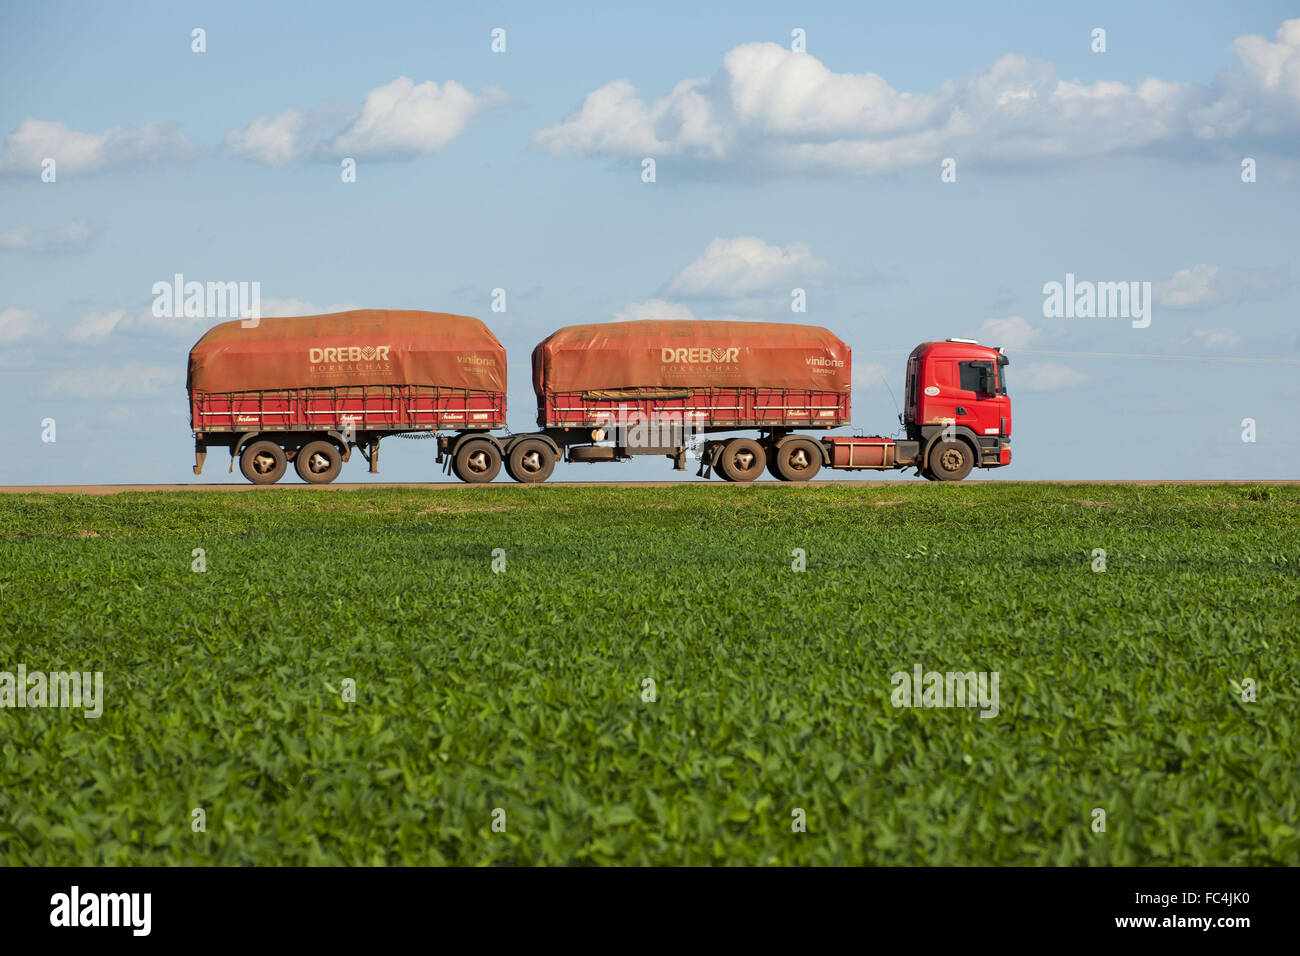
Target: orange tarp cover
x=690, y=354
x=365, y=347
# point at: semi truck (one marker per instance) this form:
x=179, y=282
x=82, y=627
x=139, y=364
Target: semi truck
x=605, y=392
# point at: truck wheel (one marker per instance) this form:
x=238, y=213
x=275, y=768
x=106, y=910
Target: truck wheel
x=951, y=460
x=318, y=462
x=742, y=459
x=263, y=462
x=530, y=461
x=477, y=462
x=798, y=460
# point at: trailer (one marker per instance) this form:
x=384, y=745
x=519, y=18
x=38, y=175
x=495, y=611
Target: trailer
x=613, y=391
x=309, y=389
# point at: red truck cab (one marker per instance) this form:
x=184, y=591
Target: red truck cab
x=961, y=386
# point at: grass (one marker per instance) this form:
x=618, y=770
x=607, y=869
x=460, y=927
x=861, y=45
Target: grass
x=524, y=690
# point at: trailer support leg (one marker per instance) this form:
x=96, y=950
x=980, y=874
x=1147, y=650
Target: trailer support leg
x=374, y=457
x=708, y=459
x=200, y=453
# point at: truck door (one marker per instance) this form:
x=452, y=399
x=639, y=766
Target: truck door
x=941, y=392
x=976, y=402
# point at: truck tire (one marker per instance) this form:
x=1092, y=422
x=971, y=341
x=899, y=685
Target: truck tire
x=263, y=462
x=799, y=459
x=318, y=462
x=477, y=462
x=742, y=459
x=530, y=461
x=951, y=460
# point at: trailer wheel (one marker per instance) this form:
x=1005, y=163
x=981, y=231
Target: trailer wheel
x=318, y=462
x=530, y=461
x=263, y=462
x=951, y=460
x=742, y=459
x=798, y=460
x=477, y=462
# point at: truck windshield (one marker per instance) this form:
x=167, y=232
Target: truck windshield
x=1002, y=380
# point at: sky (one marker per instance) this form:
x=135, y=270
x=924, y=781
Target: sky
x=919, y=170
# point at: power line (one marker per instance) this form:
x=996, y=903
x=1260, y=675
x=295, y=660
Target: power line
x=1124, y=355
x=1154, y=355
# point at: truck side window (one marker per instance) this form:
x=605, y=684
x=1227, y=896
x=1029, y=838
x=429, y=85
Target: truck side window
x=972, y=376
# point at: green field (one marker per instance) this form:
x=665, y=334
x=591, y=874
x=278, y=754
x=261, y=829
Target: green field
x=523, y=689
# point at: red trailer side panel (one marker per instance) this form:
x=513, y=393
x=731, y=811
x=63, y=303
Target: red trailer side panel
x=380, y=408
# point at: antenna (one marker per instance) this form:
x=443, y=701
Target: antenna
x=891, y=397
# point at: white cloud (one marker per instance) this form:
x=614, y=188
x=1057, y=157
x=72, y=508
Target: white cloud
x=1188, y=289
x=96, y=325
x=776, y=110
x=1012, y=332
x=1206, y=286
x=654, y=309
x=73, y=151
x=665, y=310
x=278, y=308
x=1275, y=67
x=1215, y=338
x=16, y=324
x=404, y=119
x=1042, y=376
x=731, y=268
x=277, y=139
x=399, y=120
x=74, y=237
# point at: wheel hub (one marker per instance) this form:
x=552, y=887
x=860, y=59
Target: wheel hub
x=951, y=459
x=318, y=463
x=263, y=464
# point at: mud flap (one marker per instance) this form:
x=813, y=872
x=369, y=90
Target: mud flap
x=708, y=460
